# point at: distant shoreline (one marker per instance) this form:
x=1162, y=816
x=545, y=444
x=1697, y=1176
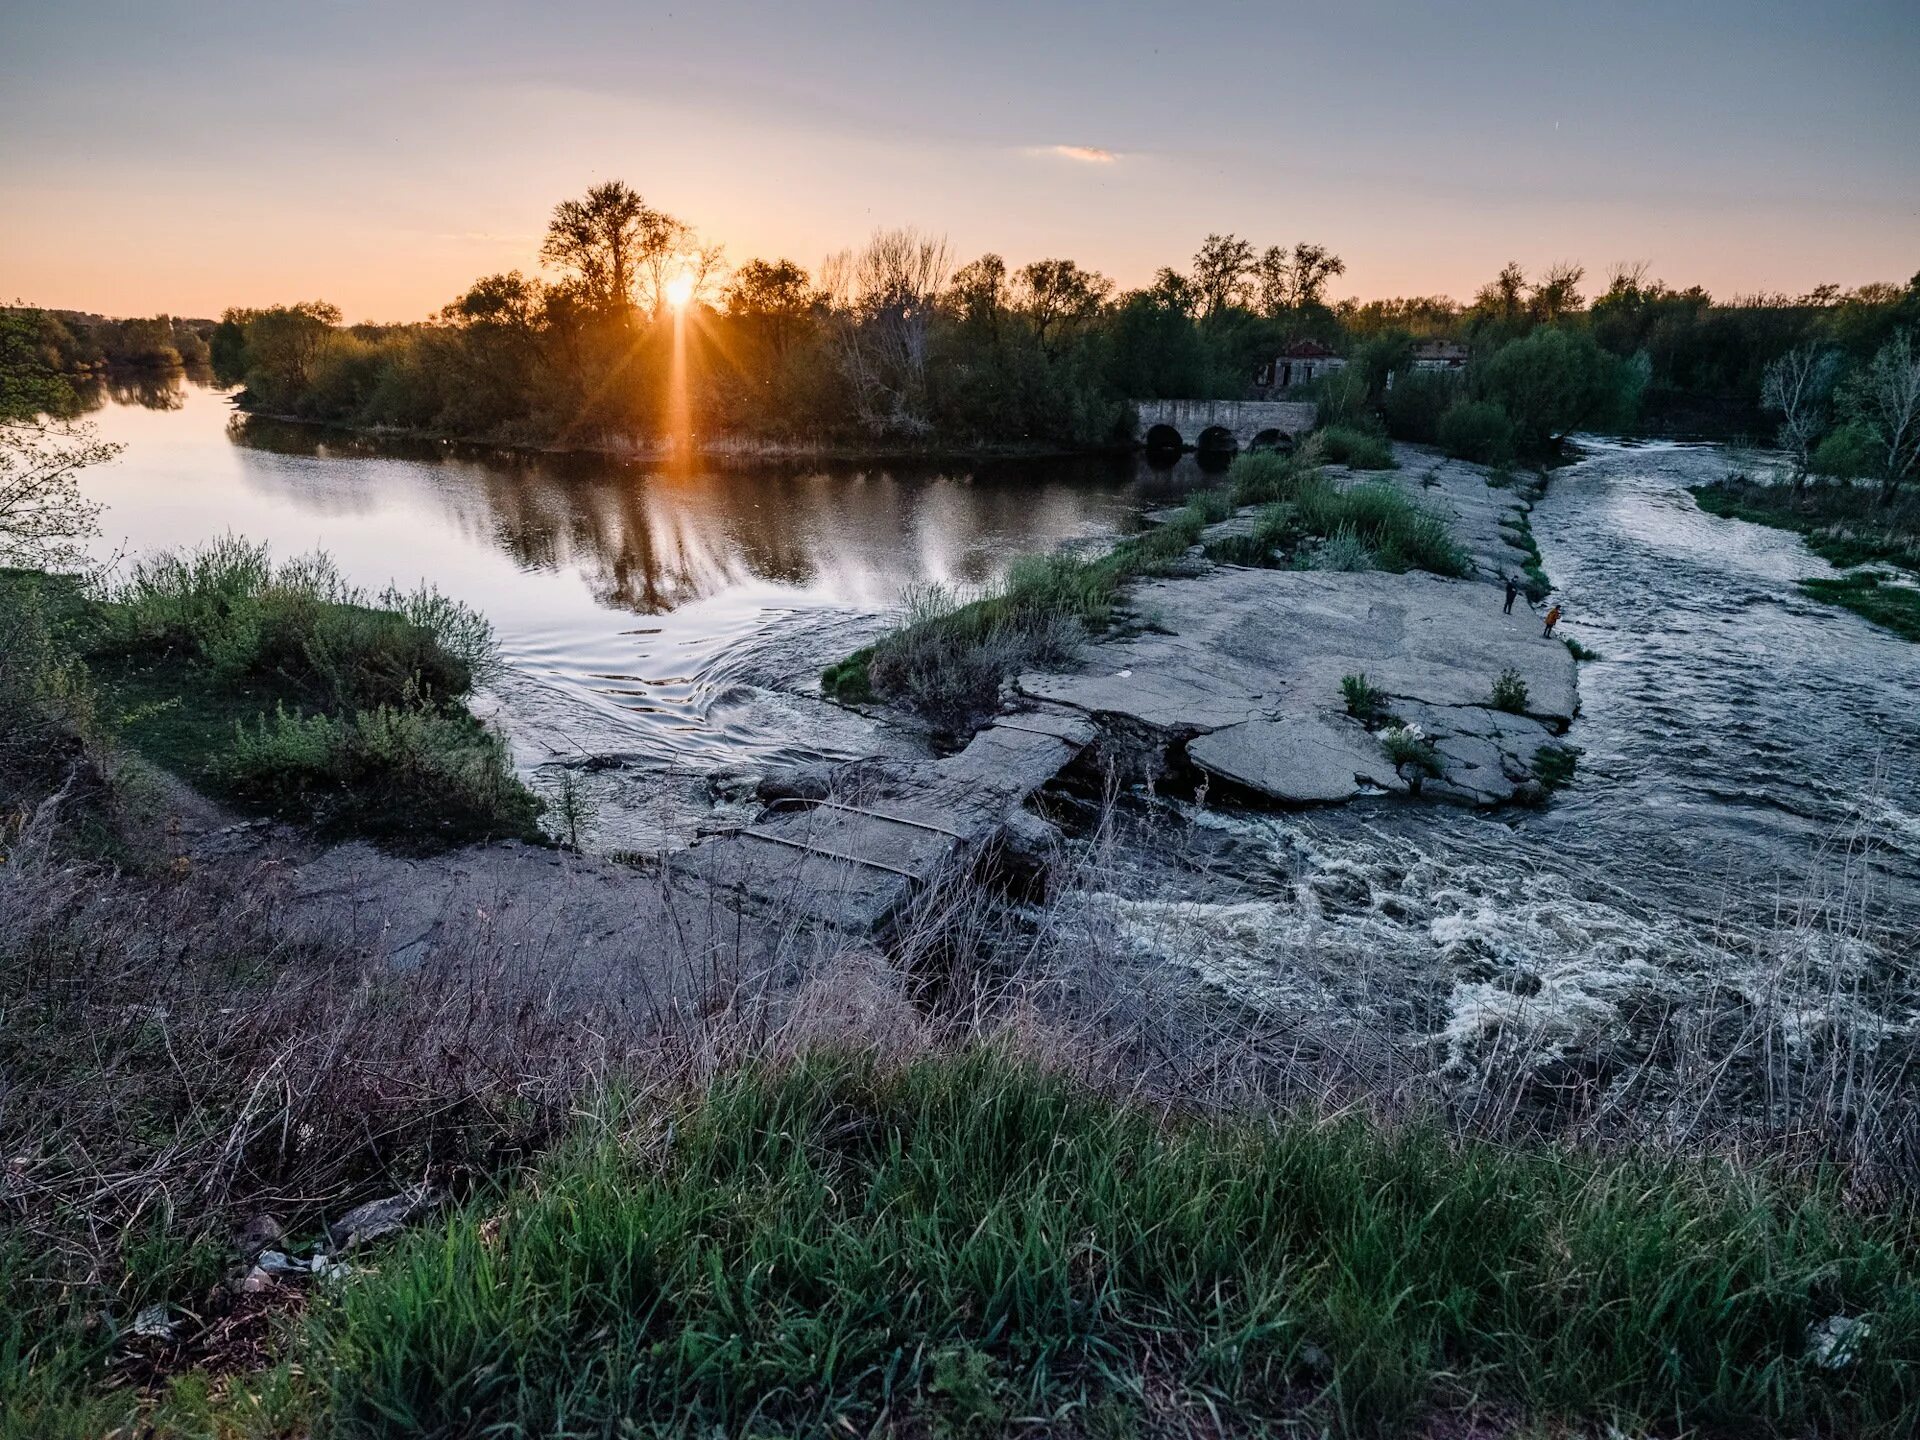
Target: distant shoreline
x=722, y=447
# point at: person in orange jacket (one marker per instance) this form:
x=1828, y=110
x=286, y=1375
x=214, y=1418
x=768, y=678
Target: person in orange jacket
x=1553, y=619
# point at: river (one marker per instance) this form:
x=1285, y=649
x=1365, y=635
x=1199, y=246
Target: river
x=1750, y=765
x=1744, y=822
x=670, y=625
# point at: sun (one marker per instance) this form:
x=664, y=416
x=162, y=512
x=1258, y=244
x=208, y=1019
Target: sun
x=680, y=290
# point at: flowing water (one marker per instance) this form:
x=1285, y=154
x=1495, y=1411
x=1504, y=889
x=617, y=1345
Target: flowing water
x=1745, y=815
x=1751, y=758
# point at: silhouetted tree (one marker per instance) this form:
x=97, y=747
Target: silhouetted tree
x=604, y=240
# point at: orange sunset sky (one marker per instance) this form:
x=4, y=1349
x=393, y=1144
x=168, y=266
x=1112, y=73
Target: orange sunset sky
x=187, y=158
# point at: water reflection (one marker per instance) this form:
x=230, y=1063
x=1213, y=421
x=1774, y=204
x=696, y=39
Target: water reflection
x=147, y=389
x=652, y=541
x=676, y=620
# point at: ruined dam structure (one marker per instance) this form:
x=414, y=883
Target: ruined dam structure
x=1224, y=674
x=1223, y=425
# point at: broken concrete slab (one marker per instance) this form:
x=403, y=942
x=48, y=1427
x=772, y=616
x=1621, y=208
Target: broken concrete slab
x=1302, y=758
x=1241, y=644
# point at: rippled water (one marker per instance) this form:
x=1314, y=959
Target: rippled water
x=1749, y=754
x=1746, y=812
x=669, y=624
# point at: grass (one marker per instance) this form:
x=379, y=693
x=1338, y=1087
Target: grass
x=1317, y=524
x=949, y=658
x=952, y=654
x=1519, y=534
x=1887, y=603
x=1356, y=449
x=1577, y=650
x=1843, y=524
x=838, y=1246
x=1846, y=526
x=282, y=690
x=1364, y=701
x=1553, y=765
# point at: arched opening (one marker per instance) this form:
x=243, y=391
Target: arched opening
x=1217, y=440
x=1272, y=440
x=1164, y=438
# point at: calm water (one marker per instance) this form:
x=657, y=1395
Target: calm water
x=669, y=624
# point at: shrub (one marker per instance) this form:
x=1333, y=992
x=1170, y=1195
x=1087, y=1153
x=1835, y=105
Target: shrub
x=299, y=623
x=1413, y=407
x=1408, y=745
x=1510, y=692
x=1579, y=651
x=1556, y=381
x=394, y=773
x=1851, y=452
x=1356, y=449
x=1477, y=430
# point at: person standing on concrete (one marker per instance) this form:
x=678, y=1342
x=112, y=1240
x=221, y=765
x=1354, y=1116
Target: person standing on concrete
x=1553, y=619
x=1513, y=589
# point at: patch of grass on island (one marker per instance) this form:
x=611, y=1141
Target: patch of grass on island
x=284, y=691
x=950, y=658
x=1845, y=525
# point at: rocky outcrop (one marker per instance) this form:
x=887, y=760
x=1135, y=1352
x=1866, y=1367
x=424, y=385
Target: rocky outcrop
x=1240, y=669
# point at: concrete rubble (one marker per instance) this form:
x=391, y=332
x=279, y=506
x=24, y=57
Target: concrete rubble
x=1237, y=671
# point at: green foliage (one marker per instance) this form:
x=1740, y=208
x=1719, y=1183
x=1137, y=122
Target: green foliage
x=1510, y=692
x=299, y=623
x=1413, y=407
x=1364, y=702
x=1553, y=765
x=37, y=355
x=849, y=681
x=406, y=775
x=1577, y=650
x=1477, y=430
x=1405, y=745
x=1843, y=524
x=1556, y=381
x=825, y=1246
x=1212, y=505
x=1357, y=449
x=1851, y=451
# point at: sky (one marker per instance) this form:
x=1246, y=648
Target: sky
x=196, y=155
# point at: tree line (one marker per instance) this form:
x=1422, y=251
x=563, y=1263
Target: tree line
x=898, y=344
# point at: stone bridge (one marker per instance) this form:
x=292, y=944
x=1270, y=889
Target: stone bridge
x=1223, y=424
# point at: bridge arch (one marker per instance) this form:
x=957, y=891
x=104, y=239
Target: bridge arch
x=1271, y=439
x=1165, y=423
x=1217, y=440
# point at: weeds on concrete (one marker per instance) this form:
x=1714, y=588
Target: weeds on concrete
x=1509, y=692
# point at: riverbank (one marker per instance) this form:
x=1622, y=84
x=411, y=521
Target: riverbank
x=1876, y=546
x=734, y=449
x=285, y=1186
x=274, y=687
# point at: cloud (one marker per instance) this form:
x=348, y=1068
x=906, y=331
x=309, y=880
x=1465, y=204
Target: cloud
x=1085, y=154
